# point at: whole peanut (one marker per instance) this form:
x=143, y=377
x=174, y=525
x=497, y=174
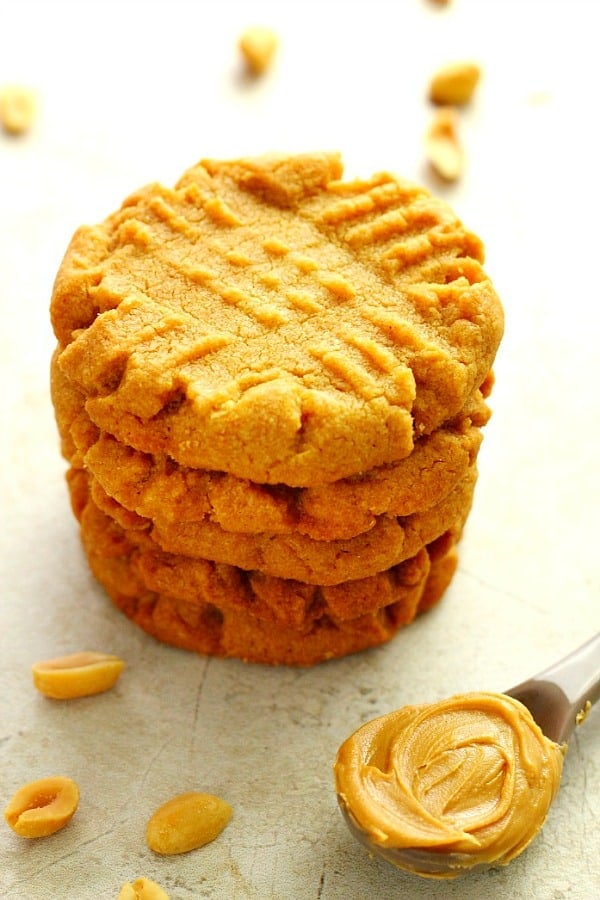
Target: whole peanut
x=17, y=109
x=187, y=822
x=454, y=84
x=257, y=46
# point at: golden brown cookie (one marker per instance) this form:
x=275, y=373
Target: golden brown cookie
x=160, y=487
x=219, y=610
x=289, y=603
x=443, y=559
x=267, y=319
x=71, y=418
x=295, y=556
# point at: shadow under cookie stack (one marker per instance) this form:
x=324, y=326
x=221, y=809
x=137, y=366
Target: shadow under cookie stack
x=270, y=386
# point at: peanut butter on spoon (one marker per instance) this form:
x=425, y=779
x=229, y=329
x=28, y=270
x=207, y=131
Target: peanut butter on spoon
x=466, y=783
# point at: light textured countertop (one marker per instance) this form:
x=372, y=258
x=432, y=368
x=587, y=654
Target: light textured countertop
x=132, y=92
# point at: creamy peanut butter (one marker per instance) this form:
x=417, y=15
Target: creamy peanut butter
x=470, y=778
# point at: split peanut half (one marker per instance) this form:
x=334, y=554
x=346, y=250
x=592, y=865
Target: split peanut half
x=77, y=675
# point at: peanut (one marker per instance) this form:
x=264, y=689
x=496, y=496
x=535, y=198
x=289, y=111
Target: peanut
x=442, y=145
x=187, y=822
x=77, y=675
x=258, y=45
x=17, y=109
x=142, y=889
x=42, y=807
x=454, y=84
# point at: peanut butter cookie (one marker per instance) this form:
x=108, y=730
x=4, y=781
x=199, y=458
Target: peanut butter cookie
x=295, y=556
x=224, y=611
x=267, y=319
x=157, y=486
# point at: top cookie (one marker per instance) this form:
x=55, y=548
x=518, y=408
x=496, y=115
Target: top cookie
x=267, y=319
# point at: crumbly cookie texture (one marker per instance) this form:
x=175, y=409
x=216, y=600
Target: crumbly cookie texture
x=158, y=487
x=293, y=556
x=344, y=509
x=268, y=319
x=225, y=611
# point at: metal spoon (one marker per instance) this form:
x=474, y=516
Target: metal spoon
x=559, y=699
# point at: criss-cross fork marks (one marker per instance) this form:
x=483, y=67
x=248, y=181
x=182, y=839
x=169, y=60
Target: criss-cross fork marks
x=270, y=320
x=319, y=279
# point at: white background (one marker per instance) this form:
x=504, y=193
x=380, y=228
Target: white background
x=131, y=92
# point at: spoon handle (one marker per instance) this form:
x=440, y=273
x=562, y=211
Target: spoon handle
x=560, y=696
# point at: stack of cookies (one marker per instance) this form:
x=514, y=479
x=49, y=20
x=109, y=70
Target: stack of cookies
x=270, y=385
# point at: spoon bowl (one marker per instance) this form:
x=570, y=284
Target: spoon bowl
x=559, y=698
